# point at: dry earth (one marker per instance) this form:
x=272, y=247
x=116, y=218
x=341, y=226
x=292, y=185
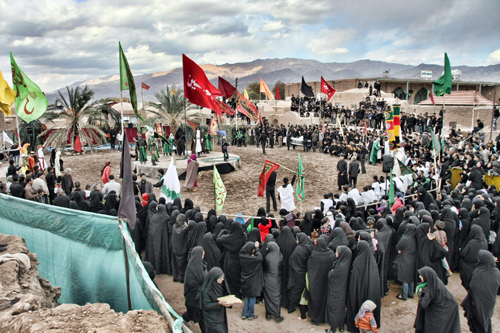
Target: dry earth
x=397, y=316
x=37, y=309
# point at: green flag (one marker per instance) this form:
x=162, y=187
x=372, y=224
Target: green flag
x=127, y=81
x=30, y=100
x=404, y=169
x=220, y=191
x=443, y=84
x=301, y=175
x=436, y=145
x=391, y=192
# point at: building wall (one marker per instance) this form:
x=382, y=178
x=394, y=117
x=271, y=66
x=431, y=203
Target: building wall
x=389, y=87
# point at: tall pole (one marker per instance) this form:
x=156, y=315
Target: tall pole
x=121, y=107
x=142, y=89
x=493, y=111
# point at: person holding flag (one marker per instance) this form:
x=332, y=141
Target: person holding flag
x=285, y=194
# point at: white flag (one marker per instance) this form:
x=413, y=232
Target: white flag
x=171, y=188
x=6, y=138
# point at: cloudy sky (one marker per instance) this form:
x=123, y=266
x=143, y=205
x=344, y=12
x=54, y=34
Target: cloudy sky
x=59, y=42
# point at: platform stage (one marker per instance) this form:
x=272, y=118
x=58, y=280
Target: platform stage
x=206, y=161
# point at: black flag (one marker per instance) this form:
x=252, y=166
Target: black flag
x=127, y=200
x=305, y=89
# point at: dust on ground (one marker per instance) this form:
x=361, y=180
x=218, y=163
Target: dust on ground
x=29, y=304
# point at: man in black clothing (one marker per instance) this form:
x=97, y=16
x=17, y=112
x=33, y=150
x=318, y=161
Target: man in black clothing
x=263, y=140
x=271, y=193
x=342, y=172
x=16, y=189
x=3, y=188
x=353, y=172
x=12, y=169
x=77, y=189
x=233, y=134
x=67, y=181
x=137, y=188
x=258, y=132
x=112, y=137
x=62, y=200
x=51, y=184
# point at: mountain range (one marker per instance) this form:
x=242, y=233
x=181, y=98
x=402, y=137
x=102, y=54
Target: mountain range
x=287, y=70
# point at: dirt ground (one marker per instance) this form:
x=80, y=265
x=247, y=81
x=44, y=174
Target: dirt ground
x=321, y=177
x=35, y=307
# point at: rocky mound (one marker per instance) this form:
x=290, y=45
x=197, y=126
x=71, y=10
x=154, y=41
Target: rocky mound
x=28, y=303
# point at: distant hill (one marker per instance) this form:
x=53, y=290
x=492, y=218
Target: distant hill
x=287, y=70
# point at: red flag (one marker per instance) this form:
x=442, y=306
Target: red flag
x=226, y=89
x=145, y=86
x=366, y=129
x=269, y=167
x=197, y=88
x=324, y=128
x=327, y=89
x=225, y=108
x=278, y=94
x=432, y=97
x=193, y=125
x=246, y=107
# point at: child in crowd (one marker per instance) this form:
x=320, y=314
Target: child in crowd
x=364, y=319
x=326, y=229
x=440, y=236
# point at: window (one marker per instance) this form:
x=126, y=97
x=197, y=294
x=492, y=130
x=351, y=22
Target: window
x=399, y=93
x=421, y=95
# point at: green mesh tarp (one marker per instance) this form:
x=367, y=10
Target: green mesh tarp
x=83, y=253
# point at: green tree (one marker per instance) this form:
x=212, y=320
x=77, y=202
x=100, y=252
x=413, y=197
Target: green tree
x=254, y=90
x=169, y=109
x=74, y=112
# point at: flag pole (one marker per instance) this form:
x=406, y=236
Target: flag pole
x=121, y=108
x=493, y=111
x=142, y=89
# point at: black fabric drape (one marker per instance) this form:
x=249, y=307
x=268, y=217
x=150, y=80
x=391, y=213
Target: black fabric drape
x=212, y=253
x=430, y=252
x=297, y=270
x=481, y=298
x=469, y=254
x=196, y=271
x=232, y=241
x=318, y=266
x=364, y=285
x=273, y=270
x=252, y=278
x=287, y=244
x=338, y=285
x=437, y=308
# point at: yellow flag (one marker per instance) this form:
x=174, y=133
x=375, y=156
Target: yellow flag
x=265, y=89
x=7, y=96
x=245, y=93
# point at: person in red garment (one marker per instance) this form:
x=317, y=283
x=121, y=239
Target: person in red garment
x=105, y=172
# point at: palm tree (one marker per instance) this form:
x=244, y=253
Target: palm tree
x=169, y=109
x=105, y=115
x=75, y=113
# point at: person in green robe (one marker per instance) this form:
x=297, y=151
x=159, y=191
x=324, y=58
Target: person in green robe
x=142, y=145
x=374, y=152
x=208, y=142
x=153, y=148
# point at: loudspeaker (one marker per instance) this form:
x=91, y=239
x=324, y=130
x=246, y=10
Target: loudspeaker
x=130, y=125
x=29, y=131
x=387, y=163
x=207, y=121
